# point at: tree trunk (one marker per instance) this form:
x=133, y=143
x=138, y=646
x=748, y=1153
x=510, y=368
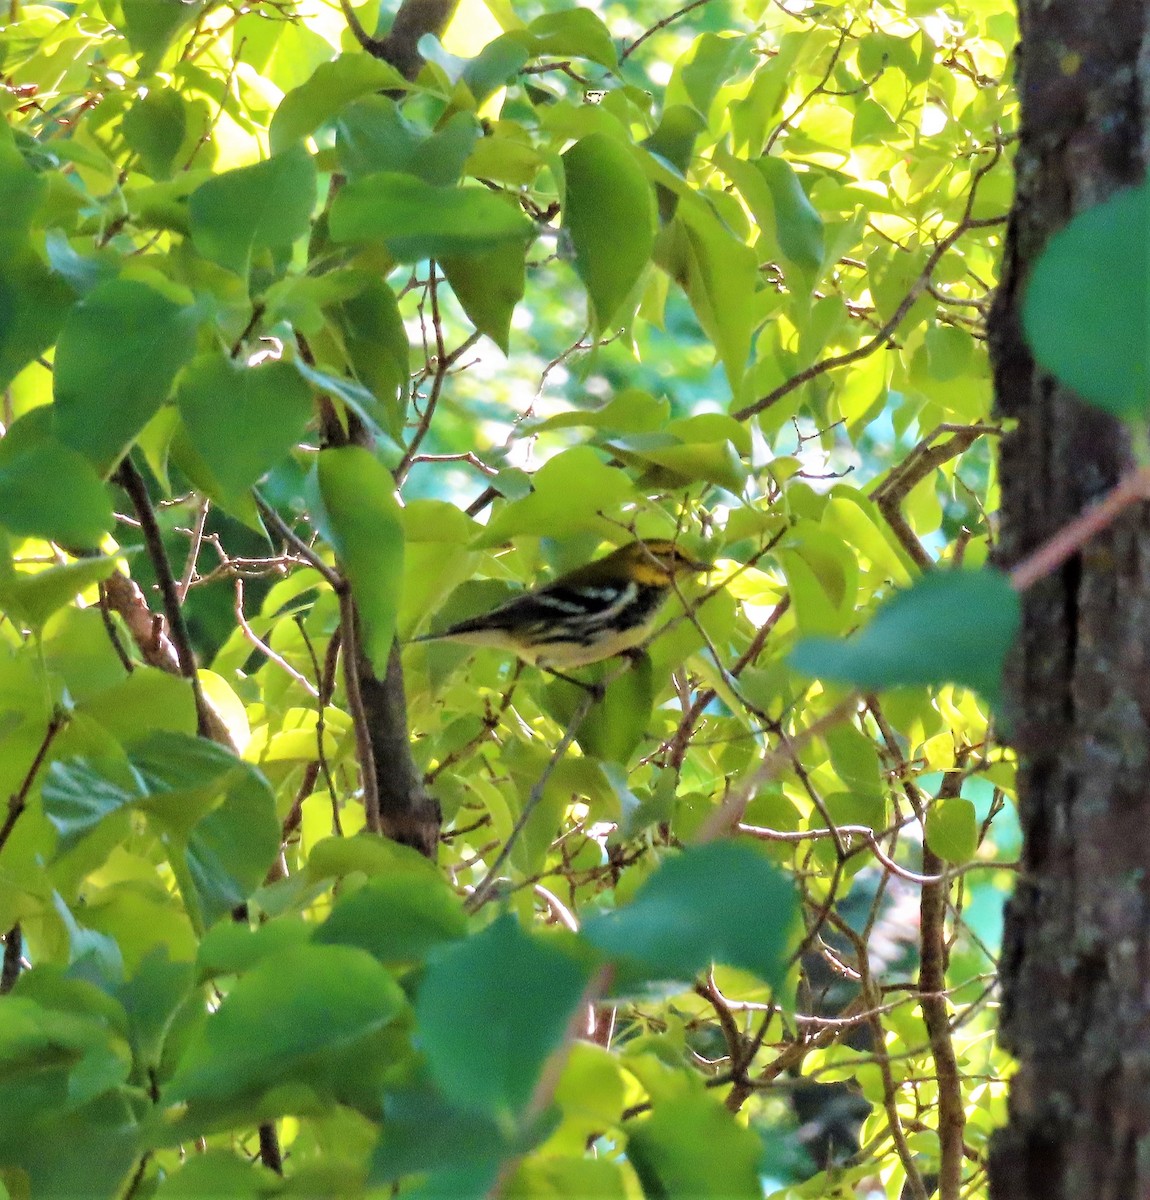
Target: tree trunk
x=1076, y=961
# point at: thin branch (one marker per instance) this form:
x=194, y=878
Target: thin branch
x=18, y=801
x=675, y=16
x=932, y=983
x=1072, y=537
x=13, y=959
x=193, y=551
x=334, y=579
x=486, y=886
x=262, y=646
x=349, y=635
x=132, y=482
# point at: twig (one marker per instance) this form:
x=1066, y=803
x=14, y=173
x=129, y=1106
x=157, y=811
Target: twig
x=264, y=648
x=730, y=812
x=349, y=635
x=19, y=799
x=1071, y=538
x=334, y=579
x=13, y=954
x=193, y=551
x=659, y=25
x=487, y=884
x=932, y=983
x=132, y=482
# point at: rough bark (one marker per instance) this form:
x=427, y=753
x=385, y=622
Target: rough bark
x=1076, y=961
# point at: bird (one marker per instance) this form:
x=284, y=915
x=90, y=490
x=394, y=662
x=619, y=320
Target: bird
x=599, y=610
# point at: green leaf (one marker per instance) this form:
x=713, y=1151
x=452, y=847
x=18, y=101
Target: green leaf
x=485, y=1042
x=488, y=287
x=690, y=1145
x=78, y=793
x=373, y=334
x=950, y=627
x=614, y=726
x=396, y=918
x=720, y=275
x=1093, y=335
x=797, y=223
x=230, y=948
x=305, y=108
x=152, y=27
x=711, y=62
x=362, y=523
x=48, y=490
x=577, y=32
x=422, y=1131
x=609, y=215
x=231, y=849
x=495, y=66
x=570, y=491
x=33, y=596
x=415, y=220
x=952, y=829
x=34, y=303
x=719, y=903
x=264, y=206
x=219, y=1174
x=284, y=1021
x=372, y=135
x=242, y=420
x=150, y=999
x=672, y=463
x=117, y=357
x=155, y=127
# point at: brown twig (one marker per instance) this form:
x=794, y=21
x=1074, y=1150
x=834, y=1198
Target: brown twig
x=18, y=801
x=13, y=957
x=132, y=482
x=675, y=16
x=349, y=636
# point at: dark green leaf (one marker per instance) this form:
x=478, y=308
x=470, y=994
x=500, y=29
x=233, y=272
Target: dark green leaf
x=154, y=127
x=78, y=793
x=486, y=1042
x=950, y=627
x=397, y=918
x=50, y=491
x=362, y=522
x=281, y=1022
x=690, y=1145
x=722, y=903
x=118, y=354
x=488, y=286
x=33, y=305
x=372, y=135
x=264, y=206
x=798, y=226
x=242, y=420
x=1092, y=333
x=415, y=220
x=609, y=215
x=375, y=339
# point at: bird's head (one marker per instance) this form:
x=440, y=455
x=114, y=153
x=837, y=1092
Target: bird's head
x=655, y=562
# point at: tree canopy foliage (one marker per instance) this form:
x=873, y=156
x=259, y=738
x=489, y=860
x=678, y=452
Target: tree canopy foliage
x=305, y=353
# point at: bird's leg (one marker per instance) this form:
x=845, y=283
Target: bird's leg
x=595, y=690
